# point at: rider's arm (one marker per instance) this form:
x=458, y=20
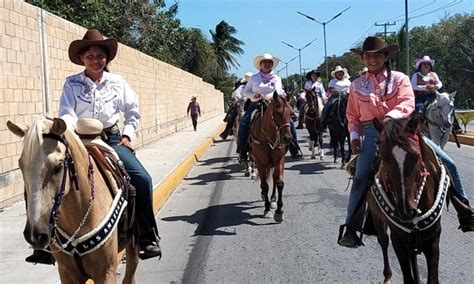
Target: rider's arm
x=67, y=104
x=405, y=100
x=353, y=115
x=438, y=84
x=308, y=85
x=129, y=107
x=248, y=92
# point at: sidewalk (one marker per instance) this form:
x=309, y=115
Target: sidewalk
x=167, y=160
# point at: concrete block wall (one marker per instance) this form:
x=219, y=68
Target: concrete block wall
x=34, y=63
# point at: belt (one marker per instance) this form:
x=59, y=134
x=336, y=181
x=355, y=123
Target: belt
x=109, y=131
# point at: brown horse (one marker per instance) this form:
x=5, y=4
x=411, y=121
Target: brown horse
x=69, y=208
x=312, y=115
x=408, y=196
x=270, y=136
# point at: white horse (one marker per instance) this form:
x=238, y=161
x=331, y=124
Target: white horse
x=439, y=116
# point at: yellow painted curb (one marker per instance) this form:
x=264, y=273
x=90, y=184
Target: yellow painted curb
x=463, y=139
x=164, y=190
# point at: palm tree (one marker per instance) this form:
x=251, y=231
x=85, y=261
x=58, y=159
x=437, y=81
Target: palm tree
x=226, y=46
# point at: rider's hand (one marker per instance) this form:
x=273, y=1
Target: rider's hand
x=126, y=142
x=431, y=87
x=355, y=146
x=258, y=95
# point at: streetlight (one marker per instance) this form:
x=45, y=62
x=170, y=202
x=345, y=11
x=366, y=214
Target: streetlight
x=299, y=53
x=286, y=67
x=324, y=30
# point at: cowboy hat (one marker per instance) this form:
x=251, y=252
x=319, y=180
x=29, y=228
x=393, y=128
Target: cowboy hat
x=193, y=97
x=265, y=56
x=89, y=126
x=308, y=75
x=246, y=77
x=374, y=44
x=424, y=59
x=91, y=38
x=340, y=69
x=365, y=69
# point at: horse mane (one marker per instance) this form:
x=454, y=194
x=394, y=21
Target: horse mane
x=393, y=131
x=33, y=138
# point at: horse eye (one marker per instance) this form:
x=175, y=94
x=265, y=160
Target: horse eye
x=58, y=168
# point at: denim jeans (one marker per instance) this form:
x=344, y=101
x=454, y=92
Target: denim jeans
x=294, y=147
x=365, y=162
x=140, y=179
x=450, y=165
x=244, y=128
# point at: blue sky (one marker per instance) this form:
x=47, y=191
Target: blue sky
x=263, y=24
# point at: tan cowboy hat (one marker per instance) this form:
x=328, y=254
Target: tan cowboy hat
x=340, y=69
x=89, y=126
x=365, y=69
x=91, y=38
x=193, y=97
x=425, y=58
x=265, y=56
x=246, y=77
x=374, y=44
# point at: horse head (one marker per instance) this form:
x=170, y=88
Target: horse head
x=441, y=109
x=402, y=171
x=281, y=112
x=42, y=164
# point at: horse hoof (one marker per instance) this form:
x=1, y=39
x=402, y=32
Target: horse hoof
x=389, y=281
x=321, y=158
x=343, y=166
x=313, y=157
x=278, y=217
x=267, y=214
x=273, y=205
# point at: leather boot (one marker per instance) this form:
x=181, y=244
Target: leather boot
x=41, y=256
x=465, y=213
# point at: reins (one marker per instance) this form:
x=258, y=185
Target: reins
x=272, y=144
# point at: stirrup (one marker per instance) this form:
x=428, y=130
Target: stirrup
x=358, y=240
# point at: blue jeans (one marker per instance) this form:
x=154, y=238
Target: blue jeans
x=140, y=179
x=450, y=165
x=421, y=99
x=244, y=128
x=364, y=163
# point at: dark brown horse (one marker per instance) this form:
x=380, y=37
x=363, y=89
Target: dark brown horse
x=408, y=196
x=312, y=114
x=270, y=136
x=337, y=124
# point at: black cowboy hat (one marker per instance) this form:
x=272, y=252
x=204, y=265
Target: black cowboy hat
x=308, y=75
x=374, y=44
x=91, y=38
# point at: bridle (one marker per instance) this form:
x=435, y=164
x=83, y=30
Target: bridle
x=277, y=142
x=69, y=167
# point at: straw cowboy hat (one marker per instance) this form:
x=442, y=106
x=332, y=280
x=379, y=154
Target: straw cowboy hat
x=340, y=69
x=425, y=58
x=365, y=69
x=246, y=77
x=265, y=56
x=91, y=38
x=193, y=97
x=374, y=44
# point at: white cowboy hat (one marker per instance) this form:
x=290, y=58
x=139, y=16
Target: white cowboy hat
x=246, y=77
x=265, y=56
x=365, y=69
x=425, y=58
x=89, y=126
x=338, y=69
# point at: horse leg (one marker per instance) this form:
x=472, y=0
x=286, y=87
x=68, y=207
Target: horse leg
x=264, y=186
x=403, y=256
x=131, y=264
x=320, y=140
x=273, y=203
x=414, y=267
x=431, y=253
x=343, y=154
x=311, y=148
x=278, y=181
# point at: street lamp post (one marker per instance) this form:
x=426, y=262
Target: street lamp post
x=324, y=31
x=286, y=67
x=299, y=54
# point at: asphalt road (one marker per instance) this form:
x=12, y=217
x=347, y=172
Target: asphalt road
x=213, y=230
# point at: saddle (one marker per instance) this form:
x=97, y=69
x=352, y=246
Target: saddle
x=113, y=172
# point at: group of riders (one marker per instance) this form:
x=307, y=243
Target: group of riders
x=378, y=92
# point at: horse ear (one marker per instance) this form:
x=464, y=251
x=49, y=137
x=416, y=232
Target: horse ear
x=378, y=124
x=412, y=124
x=275, y=95
x=59, y=126
x=453, y=94
x=17, y=128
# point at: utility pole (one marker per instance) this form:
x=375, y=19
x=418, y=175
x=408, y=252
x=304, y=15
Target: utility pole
x=407, y=38
x=385, y=28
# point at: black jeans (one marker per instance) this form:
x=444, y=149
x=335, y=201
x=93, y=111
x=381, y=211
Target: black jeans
x=194, y=118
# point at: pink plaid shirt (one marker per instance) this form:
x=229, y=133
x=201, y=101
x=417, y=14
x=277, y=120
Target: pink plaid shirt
x=367, y=100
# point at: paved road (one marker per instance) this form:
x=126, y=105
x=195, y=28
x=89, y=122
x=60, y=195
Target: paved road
x=213, y=231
